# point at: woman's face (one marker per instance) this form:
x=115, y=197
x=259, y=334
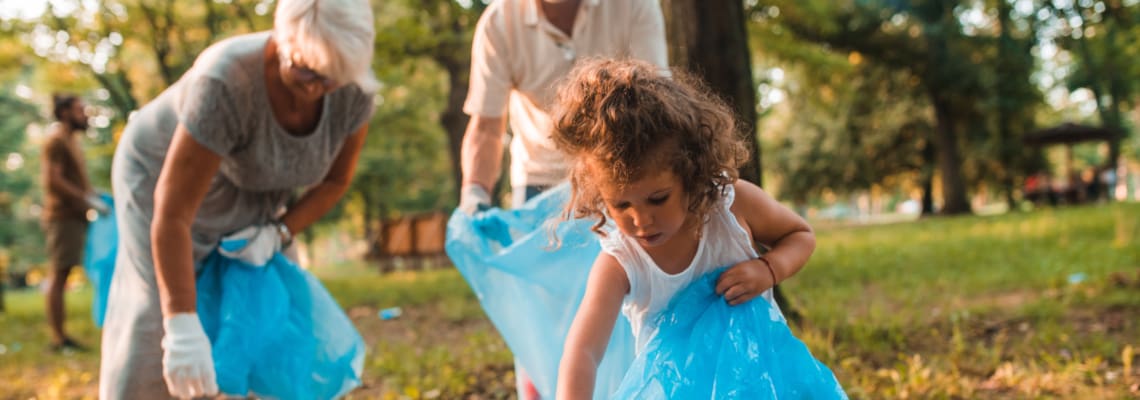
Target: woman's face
x=304, y=82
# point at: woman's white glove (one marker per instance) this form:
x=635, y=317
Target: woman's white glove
x=187, y=364
x=254, y=245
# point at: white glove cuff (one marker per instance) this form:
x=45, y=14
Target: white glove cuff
x=182, y=325
x=474, y=191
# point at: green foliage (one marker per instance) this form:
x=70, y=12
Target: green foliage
x=847, y=138
x=887, y=81
x=116, y=55
x=1101, y=37
x=439, y=32
x=403, y=166
x=19, y=234
x=129, y=49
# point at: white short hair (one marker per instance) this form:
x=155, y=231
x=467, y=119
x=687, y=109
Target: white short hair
x=333, y=37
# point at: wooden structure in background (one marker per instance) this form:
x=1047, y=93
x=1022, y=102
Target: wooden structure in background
x=1066, y=134
x=412, y=242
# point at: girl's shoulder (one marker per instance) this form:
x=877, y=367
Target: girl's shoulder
x=743, y=197
x=619, y=246
x=611, y=239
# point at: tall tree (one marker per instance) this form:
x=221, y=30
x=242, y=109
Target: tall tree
x=941, y=74
x=20, y=238
x=923, y=39
x=440, y=31
x=124, y=45
x=710, y=37
x=1102, y=42
x=1016, y=98
x=844, y=139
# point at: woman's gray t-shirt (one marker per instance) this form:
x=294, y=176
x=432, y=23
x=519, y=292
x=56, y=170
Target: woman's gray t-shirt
x=223, y=103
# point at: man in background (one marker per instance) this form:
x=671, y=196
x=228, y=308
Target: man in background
x=67, y=198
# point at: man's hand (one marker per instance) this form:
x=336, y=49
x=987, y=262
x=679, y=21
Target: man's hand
x=473, y=198
x=187, y=363
x=95, y=202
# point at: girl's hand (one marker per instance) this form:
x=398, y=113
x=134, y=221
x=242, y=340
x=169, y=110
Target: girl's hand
x=744, y=281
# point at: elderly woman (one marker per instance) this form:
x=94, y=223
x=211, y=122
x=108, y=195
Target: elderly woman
x=220, y=152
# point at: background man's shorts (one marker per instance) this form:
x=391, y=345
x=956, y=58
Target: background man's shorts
x=65, y=241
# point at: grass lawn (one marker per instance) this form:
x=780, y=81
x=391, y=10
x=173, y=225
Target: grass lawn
x=1032, y=305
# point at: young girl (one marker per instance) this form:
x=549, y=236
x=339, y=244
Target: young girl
x=654, y=161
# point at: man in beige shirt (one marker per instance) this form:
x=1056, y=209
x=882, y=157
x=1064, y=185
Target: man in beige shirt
x=521, y=50
x=67, y=197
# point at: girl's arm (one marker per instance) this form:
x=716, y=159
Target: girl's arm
x=590, y=333
x=783, y=231
x=321, y=198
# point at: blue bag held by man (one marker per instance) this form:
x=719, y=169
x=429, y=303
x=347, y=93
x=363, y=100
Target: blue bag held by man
x=530, y=288
x=99, y=257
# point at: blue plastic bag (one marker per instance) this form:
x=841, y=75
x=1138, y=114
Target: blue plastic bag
x=531, y=290
x=276, y=332
x=99, y=257
x=707, y=349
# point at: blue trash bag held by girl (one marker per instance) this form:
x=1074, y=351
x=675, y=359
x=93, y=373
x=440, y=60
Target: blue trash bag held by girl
x=707, y=349
x=531, y=289
x=276, y=332
x=99, y=257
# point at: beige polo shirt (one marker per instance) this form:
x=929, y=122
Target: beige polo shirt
x=518, y=58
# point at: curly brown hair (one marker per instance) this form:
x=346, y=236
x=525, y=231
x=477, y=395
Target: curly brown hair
x=629, y=116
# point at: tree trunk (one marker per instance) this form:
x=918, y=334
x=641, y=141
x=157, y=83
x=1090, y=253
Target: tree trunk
x=1118, y=135
x=710, y=38
x=926, y=176
x=370, y=225
x=928, y=195
x=453, y=119
x=1007, y=146
x=954, y=199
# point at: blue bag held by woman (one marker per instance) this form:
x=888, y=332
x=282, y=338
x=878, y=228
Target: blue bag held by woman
x=707, y=349
x=276, y=332
x=531, y=288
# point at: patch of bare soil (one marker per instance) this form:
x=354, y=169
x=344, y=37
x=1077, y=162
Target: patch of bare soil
x=423, y=327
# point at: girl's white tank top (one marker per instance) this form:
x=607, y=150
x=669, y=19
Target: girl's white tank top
x=723, y=243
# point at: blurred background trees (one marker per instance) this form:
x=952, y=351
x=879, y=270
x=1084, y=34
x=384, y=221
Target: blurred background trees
x=866, y=105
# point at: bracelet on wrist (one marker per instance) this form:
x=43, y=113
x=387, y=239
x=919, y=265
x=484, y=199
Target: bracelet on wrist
x=286, y=235
x=771, y=270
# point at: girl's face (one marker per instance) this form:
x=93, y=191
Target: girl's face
x=653, y=210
